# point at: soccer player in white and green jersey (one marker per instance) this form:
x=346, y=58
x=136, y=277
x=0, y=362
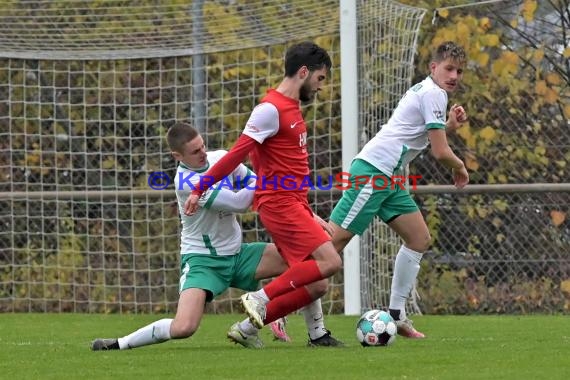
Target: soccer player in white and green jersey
x=418, y=121
x=213, y=255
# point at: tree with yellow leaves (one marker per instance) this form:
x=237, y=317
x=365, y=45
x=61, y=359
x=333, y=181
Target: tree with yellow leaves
x=517, y=88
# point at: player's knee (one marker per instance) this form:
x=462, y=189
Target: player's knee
x=328, y=260
x=321, y=288
x=318, y=289
x=333, y=265
x=420, y=243
x=426, y=242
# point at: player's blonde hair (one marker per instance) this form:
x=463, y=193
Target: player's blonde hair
x=449, y=49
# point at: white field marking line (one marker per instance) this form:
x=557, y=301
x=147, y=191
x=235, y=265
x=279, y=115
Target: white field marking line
x=28, y=343
x=464, y=339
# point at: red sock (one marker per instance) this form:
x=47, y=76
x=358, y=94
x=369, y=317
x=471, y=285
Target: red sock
x=286, y=304
x=297, y=276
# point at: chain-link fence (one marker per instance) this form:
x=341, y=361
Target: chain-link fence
x=496, y=252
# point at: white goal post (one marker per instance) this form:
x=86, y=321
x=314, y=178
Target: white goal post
x=350, y=146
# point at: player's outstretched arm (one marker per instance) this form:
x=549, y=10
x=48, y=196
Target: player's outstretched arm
x=221, y=169
x=227, y=200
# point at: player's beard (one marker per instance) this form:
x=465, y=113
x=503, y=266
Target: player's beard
x=306, y=95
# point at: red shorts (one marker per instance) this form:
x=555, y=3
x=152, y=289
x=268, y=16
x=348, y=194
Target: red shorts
x=293, y=229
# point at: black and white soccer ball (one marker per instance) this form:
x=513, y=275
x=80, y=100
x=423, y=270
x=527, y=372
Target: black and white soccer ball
x=376, y=328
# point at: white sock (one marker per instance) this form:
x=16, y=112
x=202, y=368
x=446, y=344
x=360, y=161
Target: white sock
x=156, y=332
x=406, y=270
x=261, y=295
x=247, y=327
x=314, y=319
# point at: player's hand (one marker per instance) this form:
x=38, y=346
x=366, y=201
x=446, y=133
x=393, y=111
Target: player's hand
x=327, y=227
x=460, y=177
x=191, y=204
x=457, y=116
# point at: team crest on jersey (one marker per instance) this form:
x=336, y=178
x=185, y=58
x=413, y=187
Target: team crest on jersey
x=439, y=115
x=223, y=214
x=251, y=127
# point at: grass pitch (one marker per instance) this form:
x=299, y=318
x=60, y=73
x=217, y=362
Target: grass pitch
x=56, y=346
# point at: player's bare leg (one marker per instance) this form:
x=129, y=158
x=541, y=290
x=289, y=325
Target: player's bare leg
x=185, y=323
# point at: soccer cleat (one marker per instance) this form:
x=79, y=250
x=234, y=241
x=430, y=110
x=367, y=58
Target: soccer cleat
x=104, y=344
x=278, y=330
x=326, y=340
x=254, y=308
x=239, y=337
x=406, y=329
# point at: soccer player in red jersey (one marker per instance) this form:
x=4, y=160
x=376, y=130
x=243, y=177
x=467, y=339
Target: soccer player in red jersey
x=275, y=137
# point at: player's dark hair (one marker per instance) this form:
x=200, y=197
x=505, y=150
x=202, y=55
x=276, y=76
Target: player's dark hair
x=178, y=135
x=306, y=54
x=449, y=49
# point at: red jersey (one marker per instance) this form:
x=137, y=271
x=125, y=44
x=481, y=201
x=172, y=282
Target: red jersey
x=280, y=160
x=276, y=138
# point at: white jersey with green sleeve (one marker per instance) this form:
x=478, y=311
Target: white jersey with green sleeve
x=213, y=230
x=399, y=141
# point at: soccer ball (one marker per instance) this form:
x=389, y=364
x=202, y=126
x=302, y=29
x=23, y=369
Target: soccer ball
x=376, y=328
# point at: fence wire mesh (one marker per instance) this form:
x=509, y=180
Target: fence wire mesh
x=497, y=253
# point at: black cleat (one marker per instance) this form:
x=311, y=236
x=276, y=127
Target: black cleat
x=326, y=340
x=104, y=344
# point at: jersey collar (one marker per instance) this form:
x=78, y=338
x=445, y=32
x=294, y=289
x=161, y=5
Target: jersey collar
x=199, y=170
x=432, y=81
x=282, y=96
